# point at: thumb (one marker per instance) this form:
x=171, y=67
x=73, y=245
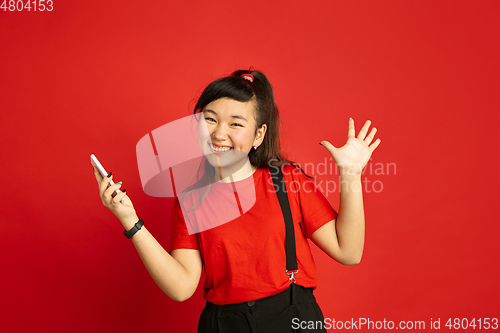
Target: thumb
x=328, y=146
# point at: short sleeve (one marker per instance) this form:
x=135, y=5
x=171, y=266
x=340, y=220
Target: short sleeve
x=315, y=208
x=179, y=236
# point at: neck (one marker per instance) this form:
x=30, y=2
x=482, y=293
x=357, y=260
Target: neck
x=235, y=173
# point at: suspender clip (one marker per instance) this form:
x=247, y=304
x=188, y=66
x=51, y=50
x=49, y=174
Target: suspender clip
x=292, y=273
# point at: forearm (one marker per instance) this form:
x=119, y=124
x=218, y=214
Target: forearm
x=168, y=273
x=350, y=224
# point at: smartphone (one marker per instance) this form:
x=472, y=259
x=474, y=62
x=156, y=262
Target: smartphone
x=95, y=162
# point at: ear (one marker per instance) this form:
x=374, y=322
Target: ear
x=261, y=133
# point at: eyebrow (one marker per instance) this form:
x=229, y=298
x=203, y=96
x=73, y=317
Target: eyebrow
x=233, y=116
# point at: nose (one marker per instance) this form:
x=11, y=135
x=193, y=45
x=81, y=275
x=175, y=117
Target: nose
x=220, y=133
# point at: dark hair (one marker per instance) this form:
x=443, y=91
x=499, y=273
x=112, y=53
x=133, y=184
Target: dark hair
x=243, y=90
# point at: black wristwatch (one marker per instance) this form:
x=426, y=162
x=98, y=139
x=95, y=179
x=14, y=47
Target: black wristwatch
x=134, y=229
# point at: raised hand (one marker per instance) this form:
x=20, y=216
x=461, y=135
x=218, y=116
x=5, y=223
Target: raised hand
x=352, y=157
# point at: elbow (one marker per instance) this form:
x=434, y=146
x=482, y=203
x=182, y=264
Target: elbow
x=181, y=294
x=351, y=261
x=179, y=290
x=180, y=297
x=176, y=299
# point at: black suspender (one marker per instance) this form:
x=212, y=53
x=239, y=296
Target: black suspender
x=291, y=256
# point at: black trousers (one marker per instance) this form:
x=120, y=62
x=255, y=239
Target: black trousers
x=292, y=310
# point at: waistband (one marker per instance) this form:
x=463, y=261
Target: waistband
x=294, y=294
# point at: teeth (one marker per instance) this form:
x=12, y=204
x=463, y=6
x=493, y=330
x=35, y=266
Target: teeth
x=219, y=149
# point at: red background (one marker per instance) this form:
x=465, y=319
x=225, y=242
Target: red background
x=94, y=77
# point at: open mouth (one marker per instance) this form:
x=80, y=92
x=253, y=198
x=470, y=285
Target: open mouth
x=219, y=150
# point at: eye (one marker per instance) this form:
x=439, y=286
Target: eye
x=238, y=124
x=209, y=119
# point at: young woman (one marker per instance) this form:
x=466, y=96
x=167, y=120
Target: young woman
x=248, y=284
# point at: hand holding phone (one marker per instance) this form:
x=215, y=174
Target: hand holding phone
x=95, y=162
x=120, y=206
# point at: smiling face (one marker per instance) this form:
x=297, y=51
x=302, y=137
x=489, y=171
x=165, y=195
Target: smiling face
x=229, y=134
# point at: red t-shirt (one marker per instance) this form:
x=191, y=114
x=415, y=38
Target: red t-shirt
x=245, y=259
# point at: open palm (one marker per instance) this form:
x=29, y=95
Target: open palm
x=355, y=154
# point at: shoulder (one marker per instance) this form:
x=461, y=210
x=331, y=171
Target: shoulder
x=294, y=173
x=295, y=179
x=290, y=168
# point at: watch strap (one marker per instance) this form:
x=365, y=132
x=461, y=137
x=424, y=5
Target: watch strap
x=134, y=229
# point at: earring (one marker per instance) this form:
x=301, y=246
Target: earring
x=255, y=147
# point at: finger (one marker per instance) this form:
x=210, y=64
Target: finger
x=104, y=183
x=97, y=175
x=370, y=136
x=350, y=130
x=328, y=146
x=108, y=194
x=375, y=144
x=118, y=198
x=364, y=130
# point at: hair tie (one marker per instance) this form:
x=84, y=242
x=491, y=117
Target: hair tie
x=248, y=77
